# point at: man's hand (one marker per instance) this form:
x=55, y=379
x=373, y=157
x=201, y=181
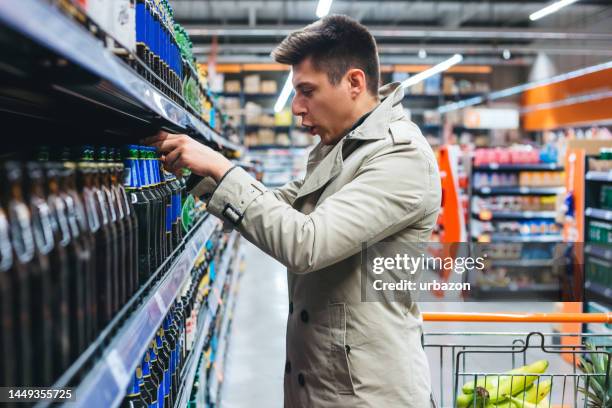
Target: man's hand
x=181, y=151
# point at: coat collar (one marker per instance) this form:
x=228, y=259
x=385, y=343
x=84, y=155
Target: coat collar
x=325, y=162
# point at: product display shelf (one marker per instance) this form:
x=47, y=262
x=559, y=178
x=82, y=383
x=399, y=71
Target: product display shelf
x=519, y=167
x=597, y=246
x=522, y=263
x=217, y=367
x=602, y=251
x=515, y=215
x=213, y=304
x=514, y=238
x=121, y=345
x=517, y=190
x=107, y=83
x=603, y=176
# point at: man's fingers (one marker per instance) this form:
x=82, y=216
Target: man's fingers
x=166, y=145
x=172, y=161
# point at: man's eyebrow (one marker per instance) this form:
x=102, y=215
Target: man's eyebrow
x=303, y=84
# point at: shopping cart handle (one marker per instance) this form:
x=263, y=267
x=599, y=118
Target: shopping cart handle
x=519, y=317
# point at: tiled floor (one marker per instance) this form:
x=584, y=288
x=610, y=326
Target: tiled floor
x=254, y=370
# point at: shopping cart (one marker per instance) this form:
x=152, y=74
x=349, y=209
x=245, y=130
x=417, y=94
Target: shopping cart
x=575, y=375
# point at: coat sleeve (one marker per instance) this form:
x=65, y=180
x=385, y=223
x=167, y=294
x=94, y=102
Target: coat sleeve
x=395, y=188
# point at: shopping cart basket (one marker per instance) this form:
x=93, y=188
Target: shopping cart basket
x=480, y=361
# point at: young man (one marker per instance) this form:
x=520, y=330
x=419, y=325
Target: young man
x=372, y=177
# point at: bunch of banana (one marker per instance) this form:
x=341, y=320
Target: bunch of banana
x=498, y=390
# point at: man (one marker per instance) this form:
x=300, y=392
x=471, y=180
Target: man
x=372, y=177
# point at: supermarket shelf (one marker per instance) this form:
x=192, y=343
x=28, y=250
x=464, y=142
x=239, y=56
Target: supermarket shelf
x=213, y=304
x=519, y=167
x=221, y=351
x=111, y=85
x=517, y=215
x=605, y=176
x=274, y=146
x=599, y=213
x=595, y=291
x=603, y=251
x=106, y=382
x=503, y=238
x=516, y=190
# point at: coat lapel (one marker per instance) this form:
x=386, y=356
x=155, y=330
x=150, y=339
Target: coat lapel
x=325, y=162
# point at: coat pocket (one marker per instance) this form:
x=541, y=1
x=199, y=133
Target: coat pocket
x=338, y=364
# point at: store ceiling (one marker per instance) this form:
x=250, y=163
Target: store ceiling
x=247, y=31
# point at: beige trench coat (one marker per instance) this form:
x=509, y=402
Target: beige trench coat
x=380, y=181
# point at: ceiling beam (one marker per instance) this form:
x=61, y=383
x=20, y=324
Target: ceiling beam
x=393, y=32
x=200, y=49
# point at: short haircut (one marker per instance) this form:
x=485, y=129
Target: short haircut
x=336, y=44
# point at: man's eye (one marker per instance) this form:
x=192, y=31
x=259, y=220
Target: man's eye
x=307, y=92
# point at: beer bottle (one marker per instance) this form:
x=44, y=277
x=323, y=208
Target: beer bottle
x=162, y=193
x=163, y=355
x=159, y=212
x=60, y=270
x=7, y=326
x=148, y=386
x=169, y=337
x=116, y=228
x=167, y=194
x=23, y=252
x=95, y=201
x=124, y=227
x=134, y=398
x=142, y=210
x=157, y=370
x=79, y=257
x=40, y=277
x=79, y=188
x=132, y=222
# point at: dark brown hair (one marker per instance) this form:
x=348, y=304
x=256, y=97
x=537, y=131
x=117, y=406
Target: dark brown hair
x=336, y=44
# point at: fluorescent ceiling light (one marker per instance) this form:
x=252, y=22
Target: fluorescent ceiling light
x=323, y=8
x=284, y=95
x=436, y=69
x=551, y=8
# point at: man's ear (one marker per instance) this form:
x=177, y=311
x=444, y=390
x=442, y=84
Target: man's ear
x=357, y=81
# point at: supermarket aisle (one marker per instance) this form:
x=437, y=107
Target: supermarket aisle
x=256, y=355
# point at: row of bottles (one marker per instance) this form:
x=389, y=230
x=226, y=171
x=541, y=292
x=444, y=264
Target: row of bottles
x=157, y=379
x=80, y=232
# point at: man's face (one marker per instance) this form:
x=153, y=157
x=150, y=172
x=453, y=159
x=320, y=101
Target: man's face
x=325, y=109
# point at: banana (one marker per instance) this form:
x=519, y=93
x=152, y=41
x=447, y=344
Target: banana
x=534, y=395
x=519, y=403
x=492, y=381
x=463, y=400
x=517, y=383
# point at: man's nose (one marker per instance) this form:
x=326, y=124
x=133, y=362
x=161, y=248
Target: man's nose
x=297, y=108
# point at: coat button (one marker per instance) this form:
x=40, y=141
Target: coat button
x=347, y=348
x=290, y=307
x=304, y=316
x=287, y=367
x=301, y=379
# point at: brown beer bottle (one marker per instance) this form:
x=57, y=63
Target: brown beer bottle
x=40, y=277
x=96, y=237
x=105, y=260
x=131, y=221
x=79, y=260
x=7, y=326
x=116, y=228
x=60, y=270
x=23, y=251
